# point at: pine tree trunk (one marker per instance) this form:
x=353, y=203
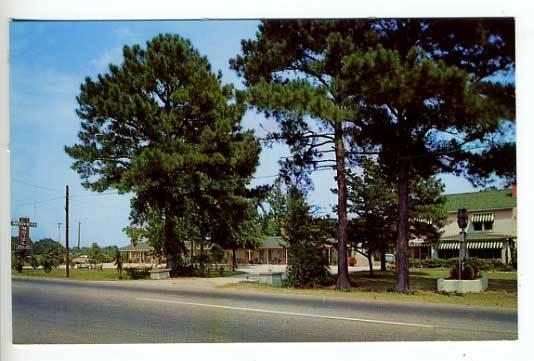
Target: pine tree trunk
x=402, y=236
x=343, y=281
x=382, y=260
x=370, y=260
x=192, y=253
x=234, y=260
x=170, y=240
x=201, y=260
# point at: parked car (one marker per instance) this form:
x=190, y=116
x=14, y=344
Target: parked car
x=390, y=258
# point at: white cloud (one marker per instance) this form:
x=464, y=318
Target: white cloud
x=110, y=56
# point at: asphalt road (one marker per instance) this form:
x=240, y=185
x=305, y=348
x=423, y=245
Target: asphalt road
x=50, y=311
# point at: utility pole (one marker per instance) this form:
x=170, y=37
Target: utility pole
x=59, y=237
x=79, y=226
x=67, y=233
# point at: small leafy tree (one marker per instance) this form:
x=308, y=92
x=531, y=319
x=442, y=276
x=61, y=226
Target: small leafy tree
x=217, y=253
x=51, y=259
x=307, y=263
x=45, y=245
x=273, y=210
x=95, y=255
x=118, y=261
x=373, y=199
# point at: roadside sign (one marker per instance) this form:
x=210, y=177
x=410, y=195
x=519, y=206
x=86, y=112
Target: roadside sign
x=24, y=241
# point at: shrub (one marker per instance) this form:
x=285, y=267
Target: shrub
x=19, y=265
x=47, y=264
x=470, y=272
x=183, y=271
x=216, y=254
x=34, y=263
x=138, y=273
x=453, y=273
x=415, y=263
x=352, y=261
x=198, y=258
x=50, y=260
x=514, y=258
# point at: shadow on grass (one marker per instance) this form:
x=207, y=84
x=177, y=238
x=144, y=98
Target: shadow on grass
x=420, y=280
x=504, y=285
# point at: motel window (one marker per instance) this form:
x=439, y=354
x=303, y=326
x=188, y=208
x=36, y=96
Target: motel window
x=483, y=221
x=483, y=226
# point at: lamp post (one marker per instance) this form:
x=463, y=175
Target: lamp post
x=462, y=223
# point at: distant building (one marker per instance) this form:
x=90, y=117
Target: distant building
x=81, y=259
x=491, y=232
x=142, y=252
x=272, y=250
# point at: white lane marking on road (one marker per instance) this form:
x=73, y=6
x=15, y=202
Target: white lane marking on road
x=20, y=286
x=286, y=313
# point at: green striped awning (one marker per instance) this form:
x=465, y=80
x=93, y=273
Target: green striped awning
x=482, y=217
x=419, y=244
x=448, y=245
x=471, y=245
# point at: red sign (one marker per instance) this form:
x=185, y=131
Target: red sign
x=24, y=224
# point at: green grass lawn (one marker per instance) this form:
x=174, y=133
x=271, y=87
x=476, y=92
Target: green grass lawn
x=94, y=275
x=214, y=274
x=502, y=288
x=75, y=274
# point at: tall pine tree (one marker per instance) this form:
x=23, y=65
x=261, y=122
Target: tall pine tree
x=162, y=126
x=292, y=70
x=430, y=102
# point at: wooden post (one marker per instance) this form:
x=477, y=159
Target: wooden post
x=79, y=226
x=67, y=273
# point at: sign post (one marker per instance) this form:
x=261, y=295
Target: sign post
x=23, y=248
x=462, y=223
x=24, y=243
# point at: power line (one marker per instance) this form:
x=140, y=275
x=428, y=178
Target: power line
x=16, y=180
x=41, y=201
x=95, y=195
x=117, y=193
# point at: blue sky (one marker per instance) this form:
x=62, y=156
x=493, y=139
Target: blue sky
x=48, y=62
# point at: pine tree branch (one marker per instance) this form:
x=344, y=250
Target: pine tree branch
x=323, y=161
x=312, y=146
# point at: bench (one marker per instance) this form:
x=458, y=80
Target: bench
x=82, y=266
x=160, y=273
